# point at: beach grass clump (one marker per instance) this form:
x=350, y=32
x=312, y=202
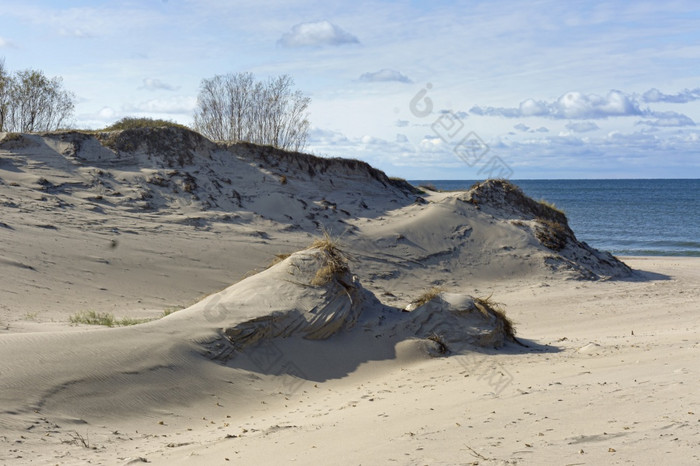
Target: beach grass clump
x=489, y=307
x=552, y=206
x=171, y=310
x=335, y=260
x=428, y=295
x=104, y=318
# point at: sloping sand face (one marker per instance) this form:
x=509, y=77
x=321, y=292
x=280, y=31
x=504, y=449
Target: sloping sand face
x=308, y=297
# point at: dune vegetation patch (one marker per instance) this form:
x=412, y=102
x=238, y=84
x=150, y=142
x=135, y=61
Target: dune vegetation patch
x=552, y=206
x=134, y=123
x=552, y=234
x=107, y=319
x=428, y=295
x=335, y=260
x=489, y=307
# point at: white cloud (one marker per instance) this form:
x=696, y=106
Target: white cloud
x=668, y=119
x=326, y=137
x=402, y=123
x=572, y=105
x=682, y=97
x=178, y=104
x=526, y=129
x=581, y=126
x=74, y=32
x=5, y=43
x=106, y=113
x=385, y=75
x=315, y=34
x=152, y=84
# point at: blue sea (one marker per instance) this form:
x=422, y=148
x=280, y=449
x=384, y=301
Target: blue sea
x=624, y=217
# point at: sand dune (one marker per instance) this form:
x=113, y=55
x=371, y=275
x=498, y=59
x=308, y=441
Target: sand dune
x=287, y=341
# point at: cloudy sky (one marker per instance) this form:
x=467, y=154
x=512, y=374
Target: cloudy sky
x=440, y=89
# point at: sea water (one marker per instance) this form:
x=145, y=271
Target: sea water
x=625, y=217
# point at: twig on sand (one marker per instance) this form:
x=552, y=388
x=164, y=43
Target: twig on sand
x=77, y=439
x=476, y=453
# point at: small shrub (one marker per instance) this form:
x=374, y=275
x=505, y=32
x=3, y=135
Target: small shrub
x=283, y=179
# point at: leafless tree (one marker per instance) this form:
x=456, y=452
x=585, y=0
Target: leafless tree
x=236, y=107
x=4, y=94
x=29, y=101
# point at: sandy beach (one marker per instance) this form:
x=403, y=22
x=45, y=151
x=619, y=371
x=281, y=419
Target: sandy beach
x=261, y=344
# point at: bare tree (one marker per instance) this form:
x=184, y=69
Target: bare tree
x=29, y=101
x=236, y=107
x=4, y=94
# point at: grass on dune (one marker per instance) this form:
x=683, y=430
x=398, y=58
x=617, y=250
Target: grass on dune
x=488, y=306
x=336, y=261
x=428, y=295
x=108, y=320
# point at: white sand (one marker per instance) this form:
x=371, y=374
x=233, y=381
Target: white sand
x=609, y=376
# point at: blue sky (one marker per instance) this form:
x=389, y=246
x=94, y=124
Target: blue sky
x=422, y=90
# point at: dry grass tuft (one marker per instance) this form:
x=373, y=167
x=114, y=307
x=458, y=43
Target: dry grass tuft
x=489, y=307
x=551, y=206
x=428, y=295
x=336, y=261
